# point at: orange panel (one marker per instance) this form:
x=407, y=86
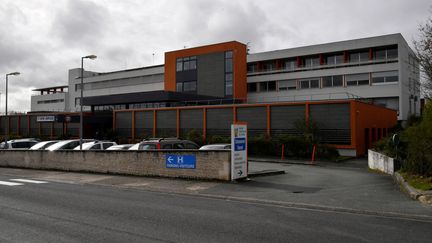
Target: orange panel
x=239, y=62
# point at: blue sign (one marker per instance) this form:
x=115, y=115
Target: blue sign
x=180, y=161
x=239, y=144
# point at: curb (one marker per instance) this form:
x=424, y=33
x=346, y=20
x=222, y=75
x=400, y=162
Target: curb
x=266, y=173
x=424, y=197
x=276, y=161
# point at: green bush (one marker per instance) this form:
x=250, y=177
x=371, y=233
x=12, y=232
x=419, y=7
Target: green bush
x=419, y=147
x=218, y=139
x=195, y=136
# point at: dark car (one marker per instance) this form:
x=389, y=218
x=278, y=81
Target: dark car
x=166, y=143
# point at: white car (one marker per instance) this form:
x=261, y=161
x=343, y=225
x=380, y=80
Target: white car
x=67, y=144
x=216, y=146
x=24, y=143
x=120, y=147
x=135, y=146
x=43, y=145
x=96, y=145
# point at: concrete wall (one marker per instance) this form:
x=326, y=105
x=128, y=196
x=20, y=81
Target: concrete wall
x=214, y=165
x=381, y=162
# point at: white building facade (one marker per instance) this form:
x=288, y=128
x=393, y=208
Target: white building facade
x=383, y=70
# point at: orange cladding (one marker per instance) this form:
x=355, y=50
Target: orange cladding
x=239, y=65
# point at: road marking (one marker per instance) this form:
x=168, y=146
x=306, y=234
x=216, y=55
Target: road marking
x=8, y=183
x=29, y=181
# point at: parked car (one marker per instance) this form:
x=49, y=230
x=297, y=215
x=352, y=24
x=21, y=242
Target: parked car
x=134, y=146
x=24, y=143
x=166, y=143
x=96, y=145
x=43, y=145
x=120, y=147
x=216, y=146
x=67, y=144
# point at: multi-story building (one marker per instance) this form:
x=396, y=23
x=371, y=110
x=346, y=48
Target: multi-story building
x=382, y=70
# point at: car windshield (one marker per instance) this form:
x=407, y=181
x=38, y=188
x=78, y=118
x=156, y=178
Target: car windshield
x=42, y=145
x=147, y=146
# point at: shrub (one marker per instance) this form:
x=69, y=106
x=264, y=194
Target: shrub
x=419, y=149
x=218, y=139
x=195, y=136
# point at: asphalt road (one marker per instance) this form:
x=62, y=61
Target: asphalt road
x=63, y=212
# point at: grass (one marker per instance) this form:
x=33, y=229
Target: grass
x=419, y=182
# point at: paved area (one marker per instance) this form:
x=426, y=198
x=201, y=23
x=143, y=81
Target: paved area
x=347, y=186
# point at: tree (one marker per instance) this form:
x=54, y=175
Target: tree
x=423, y=48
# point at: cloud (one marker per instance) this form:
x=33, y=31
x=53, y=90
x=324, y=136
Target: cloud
x=81, y=23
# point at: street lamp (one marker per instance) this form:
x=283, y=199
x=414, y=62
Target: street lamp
x=6, y=111
x=92, y=57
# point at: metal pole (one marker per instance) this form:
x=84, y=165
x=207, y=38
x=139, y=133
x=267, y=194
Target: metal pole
x=6, y=113
x=81, y=105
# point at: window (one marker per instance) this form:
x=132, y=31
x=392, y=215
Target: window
x=311, y=61
x=50, y=101
x=359, y=56
x=179, y=87
x=96, y=147
x=251, y=68
x=287, y=85
x=189, y=145
x=290, y=64
x=385, y=53
x=333, y=81
x=186, y=63
x=228, y=73
x=309, y=83
x=357, y=79
x=267, y=86
x=385, y=77
x=190, y=86
x=269, y=66
x=252, y=87
x=334, y=59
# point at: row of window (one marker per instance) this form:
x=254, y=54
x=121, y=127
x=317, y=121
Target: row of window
x=188, y=86
x=50, y=101
x=355, y=56
x=326, y=82
x=186, y=63
x=228, y=73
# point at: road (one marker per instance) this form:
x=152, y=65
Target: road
x=32, y=211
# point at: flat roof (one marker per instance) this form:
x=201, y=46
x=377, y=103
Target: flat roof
x=52, y=87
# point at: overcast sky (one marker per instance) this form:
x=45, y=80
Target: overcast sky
x=43, y=39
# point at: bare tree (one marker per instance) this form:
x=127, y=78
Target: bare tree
x=423, y=47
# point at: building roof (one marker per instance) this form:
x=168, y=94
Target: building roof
x=50, y=88
x=144, y=97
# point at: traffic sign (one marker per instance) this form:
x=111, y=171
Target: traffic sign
x=174, y=161
x=239, y=151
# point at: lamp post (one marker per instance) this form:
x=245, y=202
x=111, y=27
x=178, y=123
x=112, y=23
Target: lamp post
x=6, y=108
x=92, y=57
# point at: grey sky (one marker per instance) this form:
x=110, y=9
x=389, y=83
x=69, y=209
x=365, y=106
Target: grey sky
x=42, y=39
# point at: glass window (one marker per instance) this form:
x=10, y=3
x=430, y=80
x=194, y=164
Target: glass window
x=354, y=57
x=189, y=86
x=179, y=87
x=378, y=80
x=312, y=61
x=314, y=83
x=179, y=65
x=385, y=77
x=304, y=84
x=228, y=65
x=392, y=53
x=96, y=147
x=263, y=86
x=228, y=77
x=337, y=80
x=380, y=54
x=269, y=66
x=363, y=82
x=228, y=54
x=327, y=81
x=271, y=86
x=364, y=56
x=228, y=88
x=339, y=59
x=251, y=68
x=392, y=78
x=186, y=65
x=192, y=65
x=290, y=64
x=251, y=87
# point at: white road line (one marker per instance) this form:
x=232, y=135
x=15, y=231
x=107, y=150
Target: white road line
x=8, y=183
x=29, y=181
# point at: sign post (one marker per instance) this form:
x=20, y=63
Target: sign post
x=239, y=163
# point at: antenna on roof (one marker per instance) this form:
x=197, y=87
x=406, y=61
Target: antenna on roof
x=153, y=54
